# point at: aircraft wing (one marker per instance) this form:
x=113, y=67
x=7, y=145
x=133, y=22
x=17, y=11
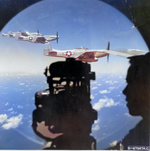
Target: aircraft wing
x=134, y=52
x=125, y=53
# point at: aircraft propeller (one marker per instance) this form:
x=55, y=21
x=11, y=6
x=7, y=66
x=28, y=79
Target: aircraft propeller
x=108, y=48
x=57, y=36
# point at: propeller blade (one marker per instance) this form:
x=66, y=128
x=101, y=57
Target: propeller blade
x=108, y=58
x=57, y=36
x=108, y=48
x=38, y=31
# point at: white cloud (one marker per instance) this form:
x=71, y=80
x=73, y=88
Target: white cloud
x=104, y=91
x=94, y=82
x=20, y=106
x=111, y=82
x=21, y=83
x=100, y=104
x=111, y=88
x=96, y=128
x=3, y=118
x=110, y=103
x=127, y=114
x=6, y=104
x=13, y=122
x=104, y=103
x=97, y=121
x=94, y=88
x=114, y=143
x=91, y=96
x=13, y=112
x=10, y=109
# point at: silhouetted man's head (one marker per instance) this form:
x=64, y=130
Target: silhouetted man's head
x=137, y=90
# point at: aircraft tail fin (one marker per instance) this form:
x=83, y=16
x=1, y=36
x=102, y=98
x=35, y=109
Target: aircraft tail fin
x=47, y=50
x=49, y=47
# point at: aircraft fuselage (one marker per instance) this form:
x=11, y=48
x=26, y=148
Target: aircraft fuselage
x=80, y=54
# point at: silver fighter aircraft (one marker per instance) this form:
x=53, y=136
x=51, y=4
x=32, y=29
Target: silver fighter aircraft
x=32, y=37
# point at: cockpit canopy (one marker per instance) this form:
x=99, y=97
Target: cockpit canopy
x=25, y=34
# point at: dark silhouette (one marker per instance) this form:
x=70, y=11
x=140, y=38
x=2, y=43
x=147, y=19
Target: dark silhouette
x=64, y=114
x=137, y=94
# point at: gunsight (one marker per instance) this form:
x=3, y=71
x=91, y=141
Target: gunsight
x=65, y=106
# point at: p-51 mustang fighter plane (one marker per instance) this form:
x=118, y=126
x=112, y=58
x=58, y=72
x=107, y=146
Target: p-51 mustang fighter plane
x=32, y=37
x=86, y=55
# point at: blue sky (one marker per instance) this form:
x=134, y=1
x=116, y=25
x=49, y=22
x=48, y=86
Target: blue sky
x=87, y=23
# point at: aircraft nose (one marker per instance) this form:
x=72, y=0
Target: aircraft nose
x=54, y=37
